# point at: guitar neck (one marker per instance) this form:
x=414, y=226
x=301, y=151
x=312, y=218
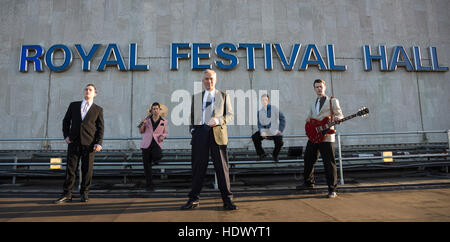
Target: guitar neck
x=343, y=120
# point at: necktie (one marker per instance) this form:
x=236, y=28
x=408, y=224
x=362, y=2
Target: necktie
x=208, y=109
x=86, y=105
x=318, y=106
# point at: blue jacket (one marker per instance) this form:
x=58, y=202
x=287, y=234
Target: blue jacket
x=281, y=120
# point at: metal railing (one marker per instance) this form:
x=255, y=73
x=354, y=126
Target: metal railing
x=339, y=136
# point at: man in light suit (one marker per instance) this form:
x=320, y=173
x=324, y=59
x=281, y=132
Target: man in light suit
x=322, y=107
x=83, y=132
x=210, y=112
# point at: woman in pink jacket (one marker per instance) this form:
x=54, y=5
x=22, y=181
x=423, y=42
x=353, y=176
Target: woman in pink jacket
x=154, y=128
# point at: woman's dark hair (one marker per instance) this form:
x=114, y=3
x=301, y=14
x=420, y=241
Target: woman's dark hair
x=155, y=104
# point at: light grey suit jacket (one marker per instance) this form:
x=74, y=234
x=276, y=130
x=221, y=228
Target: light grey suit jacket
x=324, y=112
x=223, y=111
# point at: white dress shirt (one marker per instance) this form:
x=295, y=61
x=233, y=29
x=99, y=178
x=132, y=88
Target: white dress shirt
x=205, y=97
x=84, y=109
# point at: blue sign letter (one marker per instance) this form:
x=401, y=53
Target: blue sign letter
x=294, y=53
x=434, y=60
x=268, y=57
x=25, y=58
x=67, y=58
x=381, y=57
x=196, y=56
x=174, y=55
x=233, y=59
x=400, y=53
x=331, y=60
x=418, y=60
x=86, y=59
x=118, y=61
x=133, y=59
x=311, y=49
x=250, y=54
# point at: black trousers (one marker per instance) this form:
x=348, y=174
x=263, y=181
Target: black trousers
x=152, y=154
x=203, y=144
x=257, y=141
x=329, y=163
x=75, y=151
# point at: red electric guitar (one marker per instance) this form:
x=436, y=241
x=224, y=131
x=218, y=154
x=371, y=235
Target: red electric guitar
x=316, y=130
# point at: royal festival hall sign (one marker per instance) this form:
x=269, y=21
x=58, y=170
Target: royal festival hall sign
x=199, y=55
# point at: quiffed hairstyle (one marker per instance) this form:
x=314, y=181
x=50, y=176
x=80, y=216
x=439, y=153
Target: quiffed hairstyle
x=319, y=81
x=92, y=85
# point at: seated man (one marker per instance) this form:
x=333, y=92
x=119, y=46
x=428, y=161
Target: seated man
x=271, y=124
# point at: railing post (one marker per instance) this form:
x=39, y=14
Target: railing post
x=341, y=172
x=15, y=168
x=448, y=136
x=215, y=182
x=216, y=187
x=79, y=176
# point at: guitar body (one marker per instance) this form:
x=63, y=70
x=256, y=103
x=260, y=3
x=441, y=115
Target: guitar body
x=316, y=130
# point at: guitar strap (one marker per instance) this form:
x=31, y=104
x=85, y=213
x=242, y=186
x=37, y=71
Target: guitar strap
x=331, y=107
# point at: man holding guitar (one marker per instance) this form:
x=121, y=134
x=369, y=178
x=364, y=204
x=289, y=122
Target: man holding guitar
x=322, y=108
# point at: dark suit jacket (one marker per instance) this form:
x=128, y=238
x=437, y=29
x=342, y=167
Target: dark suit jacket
x=88, y=131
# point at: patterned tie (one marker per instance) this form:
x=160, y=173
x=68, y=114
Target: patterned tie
x=208, y=109
x=86, y=105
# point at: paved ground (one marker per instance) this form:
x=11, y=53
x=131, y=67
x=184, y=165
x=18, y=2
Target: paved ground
x=422, y=199
x=417, y=205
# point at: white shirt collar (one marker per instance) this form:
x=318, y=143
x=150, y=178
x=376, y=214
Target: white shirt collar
x=84, y=101
x=212, y=92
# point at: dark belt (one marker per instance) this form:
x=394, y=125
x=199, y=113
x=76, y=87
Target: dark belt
x=200, y=126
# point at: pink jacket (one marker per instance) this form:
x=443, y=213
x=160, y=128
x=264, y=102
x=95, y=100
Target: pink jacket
x=147, y=130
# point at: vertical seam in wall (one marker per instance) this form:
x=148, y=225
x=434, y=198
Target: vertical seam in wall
x=331, y=83
x=250, y=78
x=420, y=101
x=131, y=106
x=48, y=103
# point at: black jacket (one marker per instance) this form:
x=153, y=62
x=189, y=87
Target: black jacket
x=88, y=131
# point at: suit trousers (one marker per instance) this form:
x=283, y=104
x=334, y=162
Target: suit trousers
x=152, y=154
x=203, y=144
x=257, y=141
x=75, y=151
x=329, y=163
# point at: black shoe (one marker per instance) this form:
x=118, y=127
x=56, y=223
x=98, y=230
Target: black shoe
x=84, y=198
x=149, y=188
x=275, y=158
x=190, y=204
x=230, y=206
x=305, y=186
x=63, y=199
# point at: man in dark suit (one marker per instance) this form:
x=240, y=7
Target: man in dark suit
x=83, y=132
x=211, y=110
